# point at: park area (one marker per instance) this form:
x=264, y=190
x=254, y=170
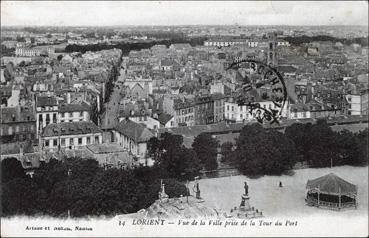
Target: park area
x=265, y=194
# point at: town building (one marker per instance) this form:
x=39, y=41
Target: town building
x=70, y=135
x=184, y=113
x=32, y=52
x=17, y=124
x=74, y=112
x=133, y=137
x=241, y=113
x=353, y=104
x=204, y=110
x=46, y=112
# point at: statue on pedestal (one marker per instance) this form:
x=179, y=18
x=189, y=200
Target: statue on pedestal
x=162, y=195
x=245, y=197
x=197, y=188
x=246, y=189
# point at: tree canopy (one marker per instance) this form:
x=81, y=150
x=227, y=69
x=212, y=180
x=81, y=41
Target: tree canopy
x=11, y=168
x=261, y=152
x=172, y=157
x=81, y=187
x=320, y=146
x=206, y=149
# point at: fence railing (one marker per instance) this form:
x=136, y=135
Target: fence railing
x=314, y=202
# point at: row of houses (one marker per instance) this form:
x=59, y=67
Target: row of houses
x=243, y=42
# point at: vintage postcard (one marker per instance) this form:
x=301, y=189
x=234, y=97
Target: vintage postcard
x=184, y=118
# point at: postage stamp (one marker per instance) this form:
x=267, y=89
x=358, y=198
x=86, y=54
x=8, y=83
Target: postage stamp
x=273, y=86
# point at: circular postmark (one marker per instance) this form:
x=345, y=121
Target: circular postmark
x=268, y=79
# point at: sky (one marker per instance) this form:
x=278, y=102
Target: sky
x=99, y=13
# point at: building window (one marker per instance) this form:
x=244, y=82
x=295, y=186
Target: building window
x=54, y=118
x=55, y=142
x=81, y=114
x=228, y=107
x=79, y=141
x=62, y=142
x=46, y=143
x=71, y=142
x=62, y=114
x=88, y=140
x=96, y=140
x=71, y=114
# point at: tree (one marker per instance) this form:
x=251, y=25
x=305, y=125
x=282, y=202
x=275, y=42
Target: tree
x=66, y=194
x=323, y=145
x=206, y=149
x=81, y=187
x=114, y=192
x=21, y=196
x=299, y=134
x=172, y=157
x=227, y=151
x=173, y=188
x=362, y=138
x=347, y=148
x=9, y=71
x=262, y=152
x=11, y=168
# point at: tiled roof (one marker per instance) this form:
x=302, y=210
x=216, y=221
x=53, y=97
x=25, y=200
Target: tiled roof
x=287, y=69
x=46, y=101
x=74, y=107
x=178, y=104
x=166, y=62
x=70, y=128
x=181, y=46
x=14, y=148
x=105, y=148
x=134, y=110
x=163, y=118
x=134, y=131
x=19, y=115
x=299, y=107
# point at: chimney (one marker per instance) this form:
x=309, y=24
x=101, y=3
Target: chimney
x=309, y=92
x=21, y=151
x=68, y=98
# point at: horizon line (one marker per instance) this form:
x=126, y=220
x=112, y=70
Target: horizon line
x=143, y=25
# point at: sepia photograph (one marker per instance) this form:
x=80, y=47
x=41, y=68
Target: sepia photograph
x=184, y=118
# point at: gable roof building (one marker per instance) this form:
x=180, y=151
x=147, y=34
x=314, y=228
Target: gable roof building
x=133, y=137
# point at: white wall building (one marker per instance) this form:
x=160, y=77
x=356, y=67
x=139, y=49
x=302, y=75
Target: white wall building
x=70, y=135
x=236, y=113
x=133, y=137
x=353, y=104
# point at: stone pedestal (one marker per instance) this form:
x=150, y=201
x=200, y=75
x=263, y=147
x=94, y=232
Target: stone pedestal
x=245, y=203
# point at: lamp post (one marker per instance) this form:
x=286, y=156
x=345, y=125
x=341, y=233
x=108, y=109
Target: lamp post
x=69, y=173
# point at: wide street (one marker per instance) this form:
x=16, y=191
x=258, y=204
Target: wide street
x=110, y=117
